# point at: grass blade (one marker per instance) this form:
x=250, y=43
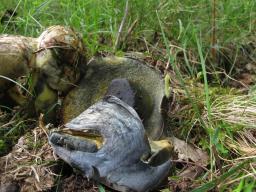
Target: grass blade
x=9, y=79
x=210, y=185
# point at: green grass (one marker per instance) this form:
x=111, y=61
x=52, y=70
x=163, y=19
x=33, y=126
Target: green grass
x=169, y=28
x=97, y=19
x=12, y=126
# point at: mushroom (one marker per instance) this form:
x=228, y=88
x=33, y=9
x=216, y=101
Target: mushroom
x=147, y=83
x=55, y=61
x=108, y=143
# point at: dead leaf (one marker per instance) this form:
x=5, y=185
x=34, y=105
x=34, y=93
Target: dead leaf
x=188, y=152
x=191, y=172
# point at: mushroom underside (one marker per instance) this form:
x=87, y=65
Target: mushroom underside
x=112, y=139
x=108, y=143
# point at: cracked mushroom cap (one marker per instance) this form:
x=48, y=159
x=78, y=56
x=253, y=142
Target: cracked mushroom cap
x=66, y=39
x=61, y=57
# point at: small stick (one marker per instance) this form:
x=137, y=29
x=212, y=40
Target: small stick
x=42, y=126
x=130, y=29
x=190, y=163
x=214, y=37
x=121, y=26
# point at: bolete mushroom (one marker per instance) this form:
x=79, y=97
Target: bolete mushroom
x=55, y=60
x=109, y=140
x=147, y=83
x=109, y=144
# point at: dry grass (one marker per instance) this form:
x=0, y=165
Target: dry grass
x=29, y=163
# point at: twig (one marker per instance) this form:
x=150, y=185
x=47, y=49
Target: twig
x=240, y=178
x=42, y=126
x=7, y=124
x=214, y=38
x=146, y=44
x=229, y=77
x=191, y=163
x=133, y=25
x=121, y=26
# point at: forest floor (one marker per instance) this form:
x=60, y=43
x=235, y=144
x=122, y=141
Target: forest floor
x=206, y=49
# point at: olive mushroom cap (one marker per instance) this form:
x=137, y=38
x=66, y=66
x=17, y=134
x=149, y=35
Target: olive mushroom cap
x=115, y=154
x=147, y=83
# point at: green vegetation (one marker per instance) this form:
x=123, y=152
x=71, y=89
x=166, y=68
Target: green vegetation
x=205, y=43
x=12, y=126
x=99, y=20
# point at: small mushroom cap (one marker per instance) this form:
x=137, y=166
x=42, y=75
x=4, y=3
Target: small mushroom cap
x=61, y=37
x=61, y=57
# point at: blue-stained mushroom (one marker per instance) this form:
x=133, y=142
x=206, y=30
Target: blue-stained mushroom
x=108, y=143
x=146, y=82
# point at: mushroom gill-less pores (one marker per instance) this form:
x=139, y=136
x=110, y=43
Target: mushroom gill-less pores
x=55, y=60
x=109, y=144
